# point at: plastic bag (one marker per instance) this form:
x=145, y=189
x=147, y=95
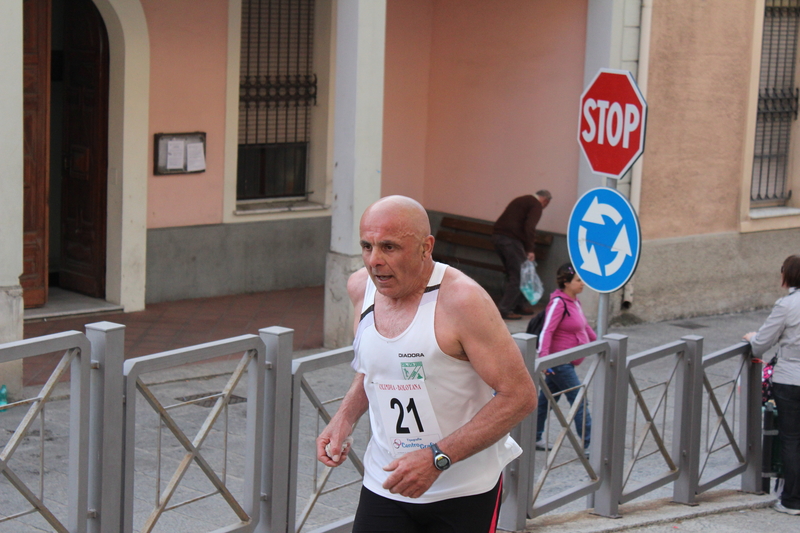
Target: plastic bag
x=529, y=282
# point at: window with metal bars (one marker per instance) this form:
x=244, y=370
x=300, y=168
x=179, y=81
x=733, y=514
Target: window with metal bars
x=276, y=92
x=777, y=103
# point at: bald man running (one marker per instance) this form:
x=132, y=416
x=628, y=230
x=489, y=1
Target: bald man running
x=442, y=379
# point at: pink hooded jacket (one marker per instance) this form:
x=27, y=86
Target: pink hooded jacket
x=562, y=331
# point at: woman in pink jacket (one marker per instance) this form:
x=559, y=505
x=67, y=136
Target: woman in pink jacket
x=564, y=327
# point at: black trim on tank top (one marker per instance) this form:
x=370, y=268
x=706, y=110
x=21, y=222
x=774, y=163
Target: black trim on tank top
x=369, y=309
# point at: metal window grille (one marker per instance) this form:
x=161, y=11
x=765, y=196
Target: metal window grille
x=777, y=103
x=277, y=89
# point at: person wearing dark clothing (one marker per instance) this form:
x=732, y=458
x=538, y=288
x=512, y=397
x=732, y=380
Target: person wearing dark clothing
x=514, y=237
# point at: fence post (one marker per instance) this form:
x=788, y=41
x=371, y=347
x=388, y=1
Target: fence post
x=750, y=428
x=688, y=418
x=518, y=476
x=106, y=439
x=274, y=509
x=609, y=427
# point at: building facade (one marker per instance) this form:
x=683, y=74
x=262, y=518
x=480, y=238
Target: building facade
x=312, y=109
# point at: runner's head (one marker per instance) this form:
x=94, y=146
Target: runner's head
x=396, y=245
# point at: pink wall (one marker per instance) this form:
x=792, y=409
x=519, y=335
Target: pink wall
x=188, y=61
x=503, y=79
x=405, y=115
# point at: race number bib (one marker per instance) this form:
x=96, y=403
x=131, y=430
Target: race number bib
x=407, y=415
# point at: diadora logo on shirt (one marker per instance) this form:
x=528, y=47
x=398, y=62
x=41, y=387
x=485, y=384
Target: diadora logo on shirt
x=411, y=355
x=413, y=370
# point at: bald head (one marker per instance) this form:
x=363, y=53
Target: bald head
x=400, y=212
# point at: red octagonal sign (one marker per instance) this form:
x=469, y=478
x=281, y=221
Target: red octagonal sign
x=612, y=122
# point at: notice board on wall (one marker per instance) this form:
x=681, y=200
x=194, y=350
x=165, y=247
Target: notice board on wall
x=179, y=153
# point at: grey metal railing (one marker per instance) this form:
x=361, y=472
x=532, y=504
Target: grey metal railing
x=251, y=364
x=713, y=403
x=737, y=394
x=75, y=360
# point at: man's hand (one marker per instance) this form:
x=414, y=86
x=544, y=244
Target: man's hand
x=333, y=443
x=749, y=336
x=411, y=474
x=331, y=449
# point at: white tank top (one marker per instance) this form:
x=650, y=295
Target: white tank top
x=419, y=395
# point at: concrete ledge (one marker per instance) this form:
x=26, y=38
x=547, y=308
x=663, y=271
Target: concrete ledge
x=650, y=513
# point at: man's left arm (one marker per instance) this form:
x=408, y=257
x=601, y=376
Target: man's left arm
x=467, y=322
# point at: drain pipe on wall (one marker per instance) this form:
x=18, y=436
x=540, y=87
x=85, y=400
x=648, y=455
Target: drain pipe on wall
x=641, y=81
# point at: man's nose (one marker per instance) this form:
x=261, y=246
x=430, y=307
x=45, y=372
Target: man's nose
x=374, y=257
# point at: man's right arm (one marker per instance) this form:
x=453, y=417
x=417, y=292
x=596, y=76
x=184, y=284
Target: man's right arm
x=340, y=427
x=355, y=402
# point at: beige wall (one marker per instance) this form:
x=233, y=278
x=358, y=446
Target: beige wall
x=503, y=79
x=697, y=103
x=188, y=60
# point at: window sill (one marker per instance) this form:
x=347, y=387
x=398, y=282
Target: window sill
x=772, y=212
x=271, y=207
x=771, y=218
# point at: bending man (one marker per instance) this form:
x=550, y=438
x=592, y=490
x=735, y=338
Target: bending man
x=514, y=238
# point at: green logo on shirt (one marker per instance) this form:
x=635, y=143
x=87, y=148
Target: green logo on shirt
x=413, y=370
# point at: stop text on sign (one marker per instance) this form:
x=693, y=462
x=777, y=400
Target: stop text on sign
x=614, y=123
x=613, y=116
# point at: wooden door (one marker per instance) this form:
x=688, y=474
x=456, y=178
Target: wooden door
x=36, y=150
x=85, y=149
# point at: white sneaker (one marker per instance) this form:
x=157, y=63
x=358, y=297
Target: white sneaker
x=541, y=445
x=781, y=509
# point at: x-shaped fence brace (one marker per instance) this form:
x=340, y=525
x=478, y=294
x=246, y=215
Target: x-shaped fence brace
x=722, y=421
x=650, y=425
x=319, y=485
x=35, y=410
x=566, y=429
x=193, y=453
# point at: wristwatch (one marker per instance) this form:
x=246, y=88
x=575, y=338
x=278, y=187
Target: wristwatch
x=440, y=459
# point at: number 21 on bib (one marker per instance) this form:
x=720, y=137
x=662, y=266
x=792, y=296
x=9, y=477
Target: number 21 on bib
x=407, y=415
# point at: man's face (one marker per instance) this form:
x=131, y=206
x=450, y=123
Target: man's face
x=544, y=201
x=393, y=254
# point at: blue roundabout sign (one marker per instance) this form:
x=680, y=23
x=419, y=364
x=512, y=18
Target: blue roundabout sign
x=604, y=239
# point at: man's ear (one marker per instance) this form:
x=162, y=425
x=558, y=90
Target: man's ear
x=427, y=246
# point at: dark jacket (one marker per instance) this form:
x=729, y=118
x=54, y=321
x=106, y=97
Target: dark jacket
x=519, y=220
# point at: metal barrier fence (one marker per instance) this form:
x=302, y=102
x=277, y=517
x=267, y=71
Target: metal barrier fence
x=238, y=452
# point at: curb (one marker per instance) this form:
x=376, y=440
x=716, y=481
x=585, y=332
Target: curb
x=650, y=513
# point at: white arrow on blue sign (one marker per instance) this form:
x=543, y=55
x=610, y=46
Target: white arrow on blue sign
x=604, y=239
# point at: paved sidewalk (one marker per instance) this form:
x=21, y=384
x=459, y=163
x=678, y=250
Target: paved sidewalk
x=173, y=325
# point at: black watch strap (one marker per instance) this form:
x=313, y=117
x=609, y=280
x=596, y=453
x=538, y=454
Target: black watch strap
x=440, y=459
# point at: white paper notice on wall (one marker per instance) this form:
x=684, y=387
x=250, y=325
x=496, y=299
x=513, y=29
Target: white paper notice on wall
x=176, y=153
x=195, y=157
x=179, y=153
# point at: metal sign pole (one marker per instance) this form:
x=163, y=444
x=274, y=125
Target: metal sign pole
x=612, y=108
x=602, y=305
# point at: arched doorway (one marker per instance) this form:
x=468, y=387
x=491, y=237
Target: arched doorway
x=66, y=211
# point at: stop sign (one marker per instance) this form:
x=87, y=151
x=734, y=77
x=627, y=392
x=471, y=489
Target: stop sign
x=612, y=122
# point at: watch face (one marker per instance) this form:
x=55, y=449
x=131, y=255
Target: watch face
x=442, y=462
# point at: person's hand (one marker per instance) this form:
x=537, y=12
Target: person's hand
x=549, y=372
x=332, y=450
x=411, y=474
x=749, y=336
x=531, y=257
